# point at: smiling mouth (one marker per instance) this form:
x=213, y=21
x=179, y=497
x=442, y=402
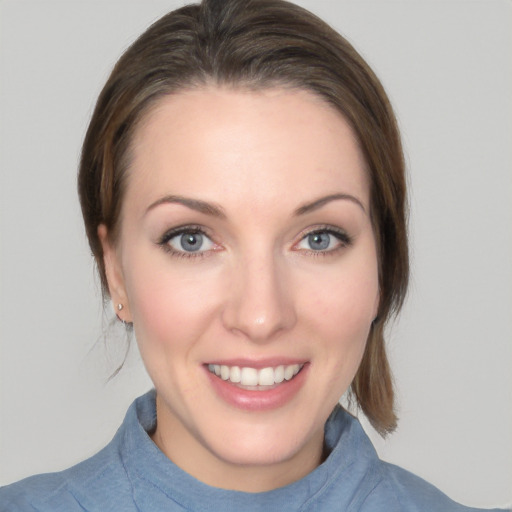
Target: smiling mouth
x=255, y=379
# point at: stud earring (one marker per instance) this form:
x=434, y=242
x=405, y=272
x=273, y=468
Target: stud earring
x=119, y=307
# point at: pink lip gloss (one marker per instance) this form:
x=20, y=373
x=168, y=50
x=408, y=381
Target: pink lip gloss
x=260, y=399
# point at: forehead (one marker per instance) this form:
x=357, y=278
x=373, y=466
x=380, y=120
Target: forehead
x=236, y=146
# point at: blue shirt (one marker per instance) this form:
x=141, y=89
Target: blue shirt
x=132, y=474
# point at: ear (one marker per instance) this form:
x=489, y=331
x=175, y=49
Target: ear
x=115, y=279
x=376, y=306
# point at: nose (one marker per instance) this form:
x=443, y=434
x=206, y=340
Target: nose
x=260, y=302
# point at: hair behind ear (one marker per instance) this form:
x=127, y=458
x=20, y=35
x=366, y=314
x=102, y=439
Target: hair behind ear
x=373, y=385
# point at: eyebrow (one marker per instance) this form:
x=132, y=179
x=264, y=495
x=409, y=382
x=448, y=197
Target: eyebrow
x=318, y=203
x=193, y=204
x=217, y=211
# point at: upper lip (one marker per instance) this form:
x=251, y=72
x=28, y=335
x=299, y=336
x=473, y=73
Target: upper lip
x=258, y=363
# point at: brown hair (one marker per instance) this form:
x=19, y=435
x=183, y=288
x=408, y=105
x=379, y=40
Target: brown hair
x=255, y=44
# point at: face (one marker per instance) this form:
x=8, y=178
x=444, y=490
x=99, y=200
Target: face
x=247, y=264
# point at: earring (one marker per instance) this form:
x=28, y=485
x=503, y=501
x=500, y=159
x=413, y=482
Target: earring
x=120, y=307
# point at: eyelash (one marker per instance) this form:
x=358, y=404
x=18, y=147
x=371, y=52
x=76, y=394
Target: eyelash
x=344, y=239
x=182, y=230
x=341, y=235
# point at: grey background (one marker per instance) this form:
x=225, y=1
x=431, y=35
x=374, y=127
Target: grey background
x=447, y=67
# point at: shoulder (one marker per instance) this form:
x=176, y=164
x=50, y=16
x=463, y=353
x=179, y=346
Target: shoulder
x=376, y=485
x=100, y=483
x=68, y=490
x=411, y=493
x=40, y=492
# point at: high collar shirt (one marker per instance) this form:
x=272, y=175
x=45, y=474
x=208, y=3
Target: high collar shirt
x=132, y=474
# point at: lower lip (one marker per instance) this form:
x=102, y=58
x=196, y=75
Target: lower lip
x=262, y=400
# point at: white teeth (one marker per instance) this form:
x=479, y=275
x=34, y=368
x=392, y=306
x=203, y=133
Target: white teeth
x=288, y=372
x=224, y=372
x=235, y=375
x=266, y=377
x=247, y=376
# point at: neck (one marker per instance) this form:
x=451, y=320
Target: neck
x=197, y=460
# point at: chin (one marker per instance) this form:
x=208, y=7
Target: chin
x=266, y=443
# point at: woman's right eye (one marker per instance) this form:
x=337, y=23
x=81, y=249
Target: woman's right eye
x=187, y=242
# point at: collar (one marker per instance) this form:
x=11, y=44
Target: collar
x=156, y=480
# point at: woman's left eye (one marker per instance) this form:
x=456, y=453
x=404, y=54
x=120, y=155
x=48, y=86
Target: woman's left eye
x=323, y=240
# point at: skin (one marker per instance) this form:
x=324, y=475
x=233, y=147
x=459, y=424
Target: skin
x=257, y=289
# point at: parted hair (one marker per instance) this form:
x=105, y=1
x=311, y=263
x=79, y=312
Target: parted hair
x=253, y=45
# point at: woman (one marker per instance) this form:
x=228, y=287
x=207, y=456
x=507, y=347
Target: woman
x=243, y=192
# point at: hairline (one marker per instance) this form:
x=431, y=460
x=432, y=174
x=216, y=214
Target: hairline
x=254, y=85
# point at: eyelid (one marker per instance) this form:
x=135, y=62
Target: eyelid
x=344, y=238
x=163, y=241
x=178, y=230
x=340, y=234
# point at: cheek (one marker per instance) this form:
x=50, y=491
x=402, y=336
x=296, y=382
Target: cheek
x=169, y=307
x=348, y=301
x=342, y=313
x=344, y=336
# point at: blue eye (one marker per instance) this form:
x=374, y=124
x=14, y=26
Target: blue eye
x=319, y=241
x=323, y=240
x=187, y=241
x=190, y=242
